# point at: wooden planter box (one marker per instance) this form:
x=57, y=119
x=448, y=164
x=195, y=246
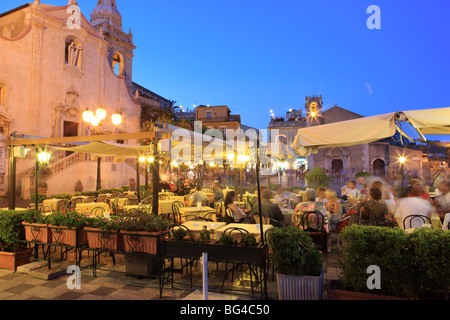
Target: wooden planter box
x=216, y=251
x=98, y=239
x=142, y=265
x=336, y=294
x=37, y=233
x=12, y=260
x=300, y=288
x=143, y=242
x=68, y=236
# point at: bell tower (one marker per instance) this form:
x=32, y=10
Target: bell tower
x=313, y=107
x=107, y=19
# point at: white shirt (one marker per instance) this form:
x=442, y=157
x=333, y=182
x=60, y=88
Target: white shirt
x=414, y=206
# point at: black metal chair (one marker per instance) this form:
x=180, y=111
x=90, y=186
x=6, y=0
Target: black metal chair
x=211, y=216
x=131, y=202
x=101, y=198
x=314, y=223
x=412, y=217
x=229, y=216
x=269, y=252
x=148, y=200
x=145, y=208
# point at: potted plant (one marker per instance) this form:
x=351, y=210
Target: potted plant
x=102, y=233
x=67, y=228
x=13, y=253
x=36, y=227
x=318, y=178
x=143, y=232
x=298, y=264
x=44, y=174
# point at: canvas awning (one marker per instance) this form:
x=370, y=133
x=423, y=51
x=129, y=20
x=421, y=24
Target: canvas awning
x=369, y=129
x=108, y=149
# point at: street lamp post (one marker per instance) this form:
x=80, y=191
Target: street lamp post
x=402, y=161
x=96, y=121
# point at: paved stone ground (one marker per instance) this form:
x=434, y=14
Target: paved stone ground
x=111, y=283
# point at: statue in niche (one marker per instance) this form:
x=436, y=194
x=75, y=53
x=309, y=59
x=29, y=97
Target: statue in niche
x=73, y=53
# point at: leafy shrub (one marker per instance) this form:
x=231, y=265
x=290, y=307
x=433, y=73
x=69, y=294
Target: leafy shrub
x=11, y=230
x=33, y=216
x=294, y=253
x=429, y=252
x=141, y=221
x=249, y=240
x=41, y=198
x=179, y=234
x=363, y=174
x=409, y=263
x=365, y=246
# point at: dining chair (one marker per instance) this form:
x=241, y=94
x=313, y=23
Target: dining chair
x=314, y=223
x=97, y=212
x=412, y=217
x=101, y=198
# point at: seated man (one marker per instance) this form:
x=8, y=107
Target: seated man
x=269, y=210
x=199, y=196
x=218, y=194
x=374, y=211
x=284, y=195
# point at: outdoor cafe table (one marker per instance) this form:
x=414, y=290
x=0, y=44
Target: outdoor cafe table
x=177, y=198
x=197, y=226
x=198, y=212
x=251, y=228
x=86, y=208
x=50, y=205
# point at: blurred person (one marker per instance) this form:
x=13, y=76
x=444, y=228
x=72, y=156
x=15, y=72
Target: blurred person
x=321, y=195
x=415, y=205
x=284, y=195
x=418, y=190
x=334, y=207
x=442, y=202
x=311, y=205
x=218, y=194
x=238, y=215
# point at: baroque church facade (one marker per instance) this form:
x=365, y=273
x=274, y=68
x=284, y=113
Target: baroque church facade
x=50, y=73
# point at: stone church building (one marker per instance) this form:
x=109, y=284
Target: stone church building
x=50, y=73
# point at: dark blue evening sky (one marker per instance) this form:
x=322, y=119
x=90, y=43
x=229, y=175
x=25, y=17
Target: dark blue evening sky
x=259, y=55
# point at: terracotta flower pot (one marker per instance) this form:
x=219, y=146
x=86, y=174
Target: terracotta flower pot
x=37, y=233
x=68, y=236
x=98, y=239
x=12, y=260
x=133, y=242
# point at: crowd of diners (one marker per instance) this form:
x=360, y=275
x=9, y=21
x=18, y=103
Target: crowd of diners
x=377, y=203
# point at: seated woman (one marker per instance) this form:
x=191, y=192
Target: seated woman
x=310, y=205
x=418, y=190
x=334, y=207
x=238, y=214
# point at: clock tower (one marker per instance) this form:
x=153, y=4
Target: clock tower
x=313, y=107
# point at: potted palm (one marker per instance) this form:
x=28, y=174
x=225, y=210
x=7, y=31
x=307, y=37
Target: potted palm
x=298, y=264
x=13, y=253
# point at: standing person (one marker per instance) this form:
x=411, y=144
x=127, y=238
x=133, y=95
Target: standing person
x=415, y=206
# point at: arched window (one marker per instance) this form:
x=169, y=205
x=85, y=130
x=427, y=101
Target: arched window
x=73, y=51
x=117, y=64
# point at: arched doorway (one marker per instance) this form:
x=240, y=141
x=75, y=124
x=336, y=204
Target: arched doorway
x=379, y=168
x=337, y=166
